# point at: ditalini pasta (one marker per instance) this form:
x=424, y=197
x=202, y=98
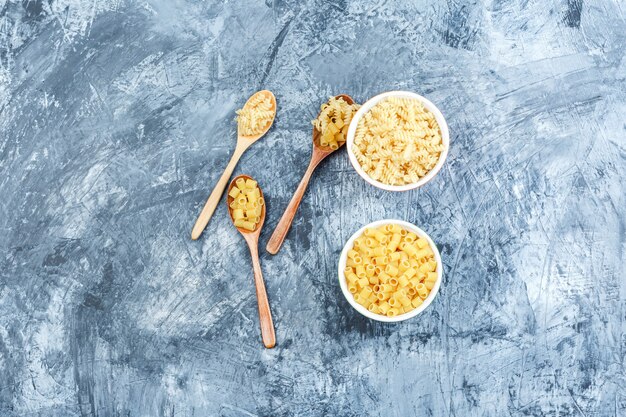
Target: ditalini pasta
x=255, y=115
x=246, y=204
x=333, y=122
x=398, y=141
x=390, y=270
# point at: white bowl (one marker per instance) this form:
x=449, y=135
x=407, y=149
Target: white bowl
x=358, y=307
x=445, y=139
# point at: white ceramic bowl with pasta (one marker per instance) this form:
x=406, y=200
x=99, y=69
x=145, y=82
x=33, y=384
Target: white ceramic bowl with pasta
x=445, y=140
x=364, y=311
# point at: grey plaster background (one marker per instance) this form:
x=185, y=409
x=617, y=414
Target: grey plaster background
x=117, y=119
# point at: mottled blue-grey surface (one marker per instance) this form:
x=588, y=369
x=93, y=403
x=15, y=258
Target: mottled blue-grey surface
x=117, y=119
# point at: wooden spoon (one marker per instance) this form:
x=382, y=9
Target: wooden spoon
x=252, y=239
x=243, y=143
x=318, y=154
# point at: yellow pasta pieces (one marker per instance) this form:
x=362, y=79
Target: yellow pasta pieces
x=390, y=271
x=247, y=204
x=398, y=141
x=255, y=116
x=334, y=118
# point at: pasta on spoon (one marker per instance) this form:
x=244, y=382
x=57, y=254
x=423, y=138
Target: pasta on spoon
x=253, y=121
x=256, y=115
x=246, y=208
x=247, y=203
x=333, y=119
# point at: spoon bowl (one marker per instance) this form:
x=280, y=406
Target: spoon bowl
x=229, y=200
x=254, y=138
x=252, y=239
x=317, y=155
x=317, y=133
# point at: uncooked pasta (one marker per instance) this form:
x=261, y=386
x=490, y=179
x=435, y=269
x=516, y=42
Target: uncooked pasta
x=398, y=141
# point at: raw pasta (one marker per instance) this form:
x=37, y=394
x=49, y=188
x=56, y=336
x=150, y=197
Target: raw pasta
x=255, y=116
x=390, y=270
x=246, y=204
x=333, y=122
x=398, y=141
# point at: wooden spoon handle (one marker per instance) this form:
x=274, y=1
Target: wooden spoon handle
x=216, y=195
x=283, y=226
x=265, y=314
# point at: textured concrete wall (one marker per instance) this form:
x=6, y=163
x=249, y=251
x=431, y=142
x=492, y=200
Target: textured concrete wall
x=116, y=119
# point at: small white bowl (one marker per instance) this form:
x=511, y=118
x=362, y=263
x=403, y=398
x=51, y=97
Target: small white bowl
x=358, y=307
x=445, y=139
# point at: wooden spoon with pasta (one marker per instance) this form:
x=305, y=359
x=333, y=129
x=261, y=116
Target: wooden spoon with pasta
x=319, y=153
x=252, y=239
x=244, y=140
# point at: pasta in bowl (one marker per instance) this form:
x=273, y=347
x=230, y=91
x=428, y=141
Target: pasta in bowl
x=398, y=141
x=390, y=270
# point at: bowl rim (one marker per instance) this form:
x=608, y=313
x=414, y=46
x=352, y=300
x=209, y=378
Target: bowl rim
x=350, y=298
x=445, y=139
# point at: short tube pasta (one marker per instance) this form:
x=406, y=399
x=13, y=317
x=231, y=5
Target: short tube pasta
x=246, y=211
x=396, y=272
